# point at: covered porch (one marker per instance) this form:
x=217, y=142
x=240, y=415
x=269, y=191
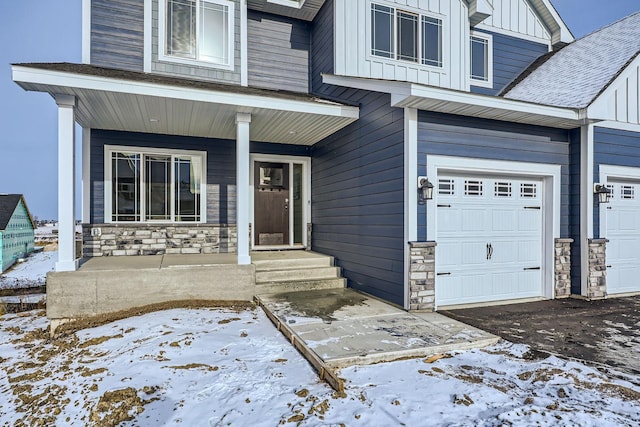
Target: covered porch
x=109, y=100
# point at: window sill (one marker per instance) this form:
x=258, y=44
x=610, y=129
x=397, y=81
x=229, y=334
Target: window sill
x=481, y=83
x=195, y=63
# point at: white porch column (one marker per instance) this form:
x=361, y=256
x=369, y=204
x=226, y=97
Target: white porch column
x=586, y=202
x=242, y=186
x=66, y=183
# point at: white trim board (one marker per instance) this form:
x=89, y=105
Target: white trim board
x=104, y=84
x=410, y=191
x=551, y=203
x=86, y=31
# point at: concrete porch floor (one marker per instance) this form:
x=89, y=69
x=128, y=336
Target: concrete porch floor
x=190, y=260
x=343, y=327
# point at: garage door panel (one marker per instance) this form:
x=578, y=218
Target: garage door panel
x=529, y=220
x=504, y=220
x=622, y=219
x=474, y=219
x=489, y=230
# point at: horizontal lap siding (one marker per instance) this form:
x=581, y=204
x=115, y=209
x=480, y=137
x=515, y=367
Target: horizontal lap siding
x=117, y=34
x=574, y=209
x=278, y=52
x=511, y=56
x=358, y=203
x=613, y=147
x=440, y=134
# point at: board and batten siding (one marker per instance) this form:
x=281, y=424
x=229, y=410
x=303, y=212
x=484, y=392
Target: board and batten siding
x=621, y=101
x=358, y=197
x=353, y=40
x=448, y=135
x=204, y=72
x=278, y=52
x=117, y=34
x=511, y=56
x=221, y=166
x=517, y=17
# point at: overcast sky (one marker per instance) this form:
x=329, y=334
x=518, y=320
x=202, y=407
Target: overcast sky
x=50, y=31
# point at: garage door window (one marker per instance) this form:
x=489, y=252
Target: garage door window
x=627, y=192
x=503, y=189
x=446, y=187
x=473, y=188
x=528, y=190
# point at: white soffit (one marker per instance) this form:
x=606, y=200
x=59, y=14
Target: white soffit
x=114, y=104
x=411, y=95
x=299, y=9
x=560, y=33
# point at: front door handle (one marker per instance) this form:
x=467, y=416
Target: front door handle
x=490, y=251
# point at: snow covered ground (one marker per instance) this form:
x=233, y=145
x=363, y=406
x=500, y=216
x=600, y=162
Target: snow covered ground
x=30, y=273
x=218, y=367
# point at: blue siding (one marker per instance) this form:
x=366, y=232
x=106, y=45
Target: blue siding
x=221, y=167
x=358, y=201
x=117, y=34
x=613, y=147
x=278, y=52
x=449, y=135
x=511, y=56
x=322, y=46
x=574, y=209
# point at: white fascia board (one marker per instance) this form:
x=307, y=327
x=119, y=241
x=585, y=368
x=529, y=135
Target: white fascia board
x=245, y=101
x=494, y=102
x=148, y=29
x=630, y=127
x=296, y=4
x=560, y=33
x=404, y=92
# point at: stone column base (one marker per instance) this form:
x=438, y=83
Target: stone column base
x=562, y=275
x=597, y=286
x=422, y=271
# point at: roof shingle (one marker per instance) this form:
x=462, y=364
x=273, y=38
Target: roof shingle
x=574, y=76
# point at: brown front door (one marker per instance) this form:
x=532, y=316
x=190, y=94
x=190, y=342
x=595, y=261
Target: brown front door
x=271, y=204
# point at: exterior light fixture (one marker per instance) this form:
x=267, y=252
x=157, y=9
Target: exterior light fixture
x=604, y=194
x=426, y=188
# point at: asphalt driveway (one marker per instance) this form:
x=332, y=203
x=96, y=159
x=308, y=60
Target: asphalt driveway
x=606, y=331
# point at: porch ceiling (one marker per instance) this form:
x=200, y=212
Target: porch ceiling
x=138, y=102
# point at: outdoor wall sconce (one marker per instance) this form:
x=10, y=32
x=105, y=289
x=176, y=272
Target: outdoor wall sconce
x=426, y=188
x=604, y=194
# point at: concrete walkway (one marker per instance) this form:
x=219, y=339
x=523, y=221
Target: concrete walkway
x=343, y=327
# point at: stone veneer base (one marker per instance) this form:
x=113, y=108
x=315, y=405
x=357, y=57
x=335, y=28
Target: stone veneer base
x=422, y=272
x=157, y=239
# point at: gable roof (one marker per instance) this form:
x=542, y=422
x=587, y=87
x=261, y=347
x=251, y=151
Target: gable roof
x=8, y=204
x=574, y=76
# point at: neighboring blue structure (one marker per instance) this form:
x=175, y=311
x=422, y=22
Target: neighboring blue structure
x=16, y=230
x=323, y=124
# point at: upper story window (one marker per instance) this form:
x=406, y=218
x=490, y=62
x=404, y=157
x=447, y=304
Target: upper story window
x=199, y=30
x=481, y=59
x=407, y=36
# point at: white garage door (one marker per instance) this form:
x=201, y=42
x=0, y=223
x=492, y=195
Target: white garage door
x=623, y=232
x=489, y=236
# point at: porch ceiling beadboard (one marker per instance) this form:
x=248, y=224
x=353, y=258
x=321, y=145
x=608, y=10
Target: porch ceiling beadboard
x=138, y=102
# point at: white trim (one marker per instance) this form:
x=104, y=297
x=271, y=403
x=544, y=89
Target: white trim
x=306, y=191
x=482, y=83
x=243, y=195
x=296, y=4
x=619, y=126
x=551, y=204
x=586, y=202
x=410, y=191
x=103, y=84
x=244, y=49
x=611, y=172
x=148, y=35
x=401, y=92
x=108, y=179
x=162, y=56
x=86, y=175
x=86, y=31
x=66, y=183
x=544, y=41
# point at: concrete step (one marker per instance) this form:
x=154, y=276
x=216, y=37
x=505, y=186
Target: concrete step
x=299, y=274
x=292, y=264
x=297, y=286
